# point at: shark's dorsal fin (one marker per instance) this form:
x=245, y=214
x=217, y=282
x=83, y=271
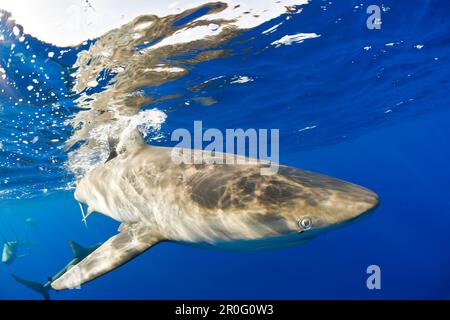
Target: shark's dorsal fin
x=118, y=250
x=78, y=251
x=130, y=141
x=112, y=144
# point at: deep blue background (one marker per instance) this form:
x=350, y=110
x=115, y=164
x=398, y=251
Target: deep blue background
x=334, y=84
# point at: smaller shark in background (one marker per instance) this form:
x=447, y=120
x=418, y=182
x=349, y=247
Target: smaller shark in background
x=31, y=222
x=9, y=252
x=10, y=249
x=79, y=253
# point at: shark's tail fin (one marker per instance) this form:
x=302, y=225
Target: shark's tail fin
x=37, y=287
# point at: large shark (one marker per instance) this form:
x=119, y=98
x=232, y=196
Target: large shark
x=219, y=205
x=78, y=252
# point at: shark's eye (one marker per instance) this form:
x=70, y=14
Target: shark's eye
x=305, y=223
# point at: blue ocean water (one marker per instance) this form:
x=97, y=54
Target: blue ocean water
x=366, y=106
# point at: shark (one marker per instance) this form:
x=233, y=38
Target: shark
x=9, y=252
x=224, y=206
x=31, y=222
x=78, y=252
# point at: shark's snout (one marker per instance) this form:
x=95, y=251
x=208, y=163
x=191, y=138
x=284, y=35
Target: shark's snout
x=368, y=205
x=354, y=204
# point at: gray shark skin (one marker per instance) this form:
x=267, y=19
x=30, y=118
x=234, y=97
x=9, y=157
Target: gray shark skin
x=78, y=252
x=219, y=205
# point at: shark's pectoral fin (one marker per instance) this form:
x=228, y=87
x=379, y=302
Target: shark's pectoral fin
x=129, y=243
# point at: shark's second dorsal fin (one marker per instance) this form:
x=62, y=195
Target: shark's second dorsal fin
x=78, y=251
x=118, y=250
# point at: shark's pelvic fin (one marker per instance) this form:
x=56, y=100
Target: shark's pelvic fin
x=129, y=243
